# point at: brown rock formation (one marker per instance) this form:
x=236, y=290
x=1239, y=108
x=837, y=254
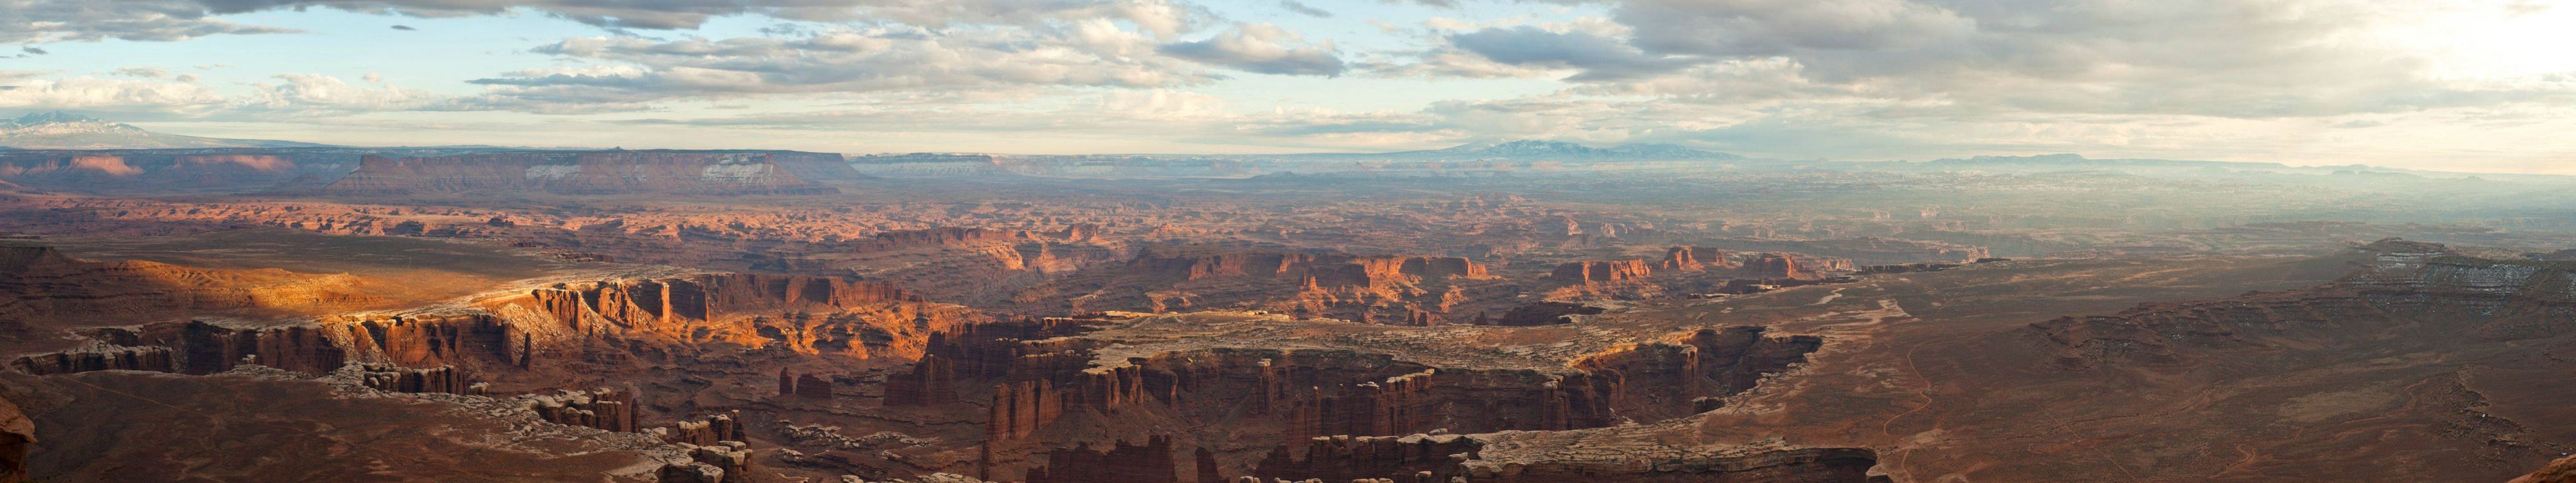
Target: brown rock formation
x=1696, y=258
x=1605, y=271
x=1778, y=265
x=607, y=409
x=711, y=430
x=932, y=381
x=444, y=379
x=1402, y=290
x=17, y=436
x=2562, y=470
x=1348, y=458
x=1121, y=463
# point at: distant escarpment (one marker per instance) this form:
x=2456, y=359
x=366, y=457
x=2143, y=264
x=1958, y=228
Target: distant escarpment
x=598, y=173
x=2404, y=292
x=171, y=170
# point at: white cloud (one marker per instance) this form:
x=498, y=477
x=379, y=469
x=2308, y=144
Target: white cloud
x=1262, y=48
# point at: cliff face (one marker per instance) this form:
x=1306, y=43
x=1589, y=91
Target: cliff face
x=542, y=326
x=126, y=171
x=589, y=173
x=1609, y=271
x=807, y=315
x=1697, y=258
x=1060, y=408
x=1407, y=290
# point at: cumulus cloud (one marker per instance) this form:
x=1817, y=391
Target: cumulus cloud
x=1597, y=57
x=98, y=94
x=625, y=71
x=1932, y=58
x=1301, y=8
x=143, y=72
x=1736, y=28
x=1261, y=48
x=1150, y=15
x=44, y=21
x=317, y=94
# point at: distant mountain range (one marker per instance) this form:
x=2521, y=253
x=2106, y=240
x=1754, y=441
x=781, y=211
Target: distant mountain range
x=2074, y=161
x=1532, y=150
x=62, y=130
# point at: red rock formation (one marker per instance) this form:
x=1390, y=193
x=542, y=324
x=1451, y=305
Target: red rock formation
x=2563, y=470
x=808, y=386
x=1603, y=271
x=932, y=381
x=1696, y=258
x=1020, y=408
x=1778, y=265
x=17, y=436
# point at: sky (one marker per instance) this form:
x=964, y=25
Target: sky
x=2465, y=85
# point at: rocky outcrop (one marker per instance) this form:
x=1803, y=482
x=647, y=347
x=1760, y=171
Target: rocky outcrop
x=17, y=437
x=2562, y=470
x=441, y=379
x=706, y=431
x=803, y=314
x=1778, y=265
x=589, y=173
x=1542, y=313
x=932, y=381
x=1412, y=458
x=1400, y=290
x=1062, y=391
x=1697, y=258
x=99, y=357
x=1603, y=271
x=604, y=408
x=1120, y=463
x=726, y=462
x=1668, y=379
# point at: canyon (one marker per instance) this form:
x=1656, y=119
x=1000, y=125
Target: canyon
x=758, y=316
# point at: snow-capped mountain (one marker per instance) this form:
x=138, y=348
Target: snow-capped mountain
x=62, y=130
